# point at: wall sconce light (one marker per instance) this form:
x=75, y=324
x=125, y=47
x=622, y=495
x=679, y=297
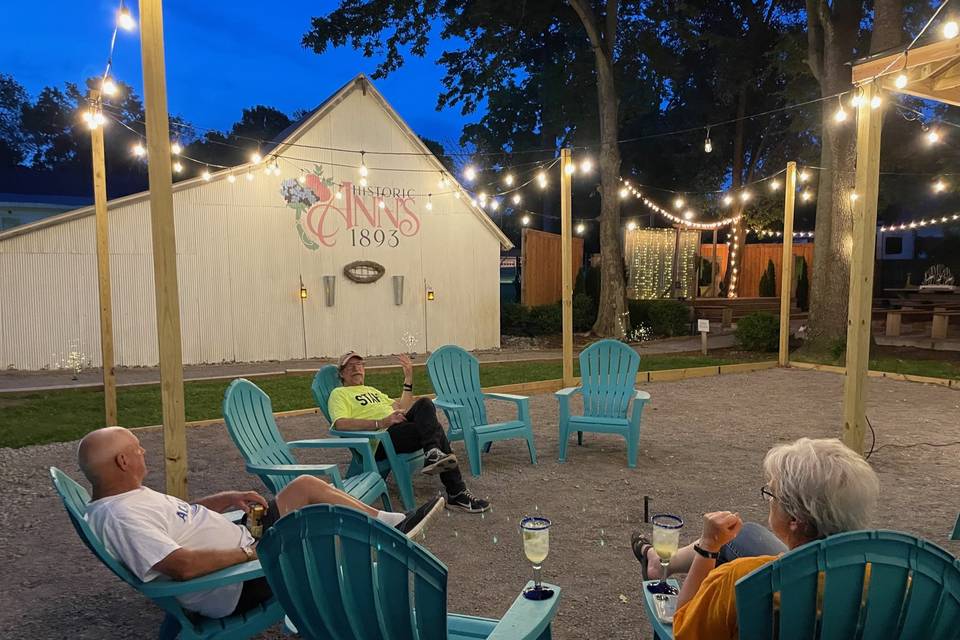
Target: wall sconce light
x=329, y=289
x=303, y=290
x=430, y=294
x=398, y=290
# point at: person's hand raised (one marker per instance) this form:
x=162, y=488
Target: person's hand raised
x=407, y=365
x=719, y=528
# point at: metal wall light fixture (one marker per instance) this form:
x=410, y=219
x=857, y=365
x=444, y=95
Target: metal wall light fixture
x=329, y=290
x=398, y=290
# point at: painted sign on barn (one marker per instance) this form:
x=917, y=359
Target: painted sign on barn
x=361, y=216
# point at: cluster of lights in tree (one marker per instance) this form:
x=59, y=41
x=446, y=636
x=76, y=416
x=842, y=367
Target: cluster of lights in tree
x=766, y=233
x=732, y=245
x=923, y=222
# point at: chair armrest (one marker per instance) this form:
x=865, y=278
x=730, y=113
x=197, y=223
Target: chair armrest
x=446, y=404
x=527, y=619
x=641, y=395
x=507, y=397
x=360, y=445
x=371, y=435
x=569, y=391
x=660, y=629
x=223, y=577
x=330, y=470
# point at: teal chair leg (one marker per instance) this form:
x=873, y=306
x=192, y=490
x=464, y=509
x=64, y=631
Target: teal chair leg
x=486, y=448
x=473, y=453
x=402, y=476
x=531, y=449
x=633, y=439
x=387, y=506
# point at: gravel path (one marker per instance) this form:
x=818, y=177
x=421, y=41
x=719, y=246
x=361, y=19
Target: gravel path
x=702, y=443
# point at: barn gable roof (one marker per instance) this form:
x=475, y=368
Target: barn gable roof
x=287, y=138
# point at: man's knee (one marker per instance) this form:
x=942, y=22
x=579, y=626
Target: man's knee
x=423, y=404
x=305, y=485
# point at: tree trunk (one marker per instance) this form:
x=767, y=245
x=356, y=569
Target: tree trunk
x=832, y=35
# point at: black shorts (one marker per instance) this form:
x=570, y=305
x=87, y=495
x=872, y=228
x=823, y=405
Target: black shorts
x=257, y=591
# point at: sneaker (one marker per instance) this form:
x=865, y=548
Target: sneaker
x=415, y=521
x=466, y=501
x=436, y=461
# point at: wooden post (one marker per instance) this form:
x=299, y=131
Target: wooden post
x=869, y=123
x=786, y=262
x=164, y=247
x=566, y=265
x=714, y=276
x=103, y=272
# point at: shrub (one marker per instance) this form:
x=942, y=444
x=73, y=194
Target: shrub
x=663, y=317
x=803, y=285
x=545, y=319
x=768, y=281
x=758, y=332
x=584, y=312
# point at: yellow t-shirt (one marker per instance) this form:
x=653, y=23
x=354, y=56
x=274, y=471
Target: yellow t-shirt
x=712, y=613
x=359, y=402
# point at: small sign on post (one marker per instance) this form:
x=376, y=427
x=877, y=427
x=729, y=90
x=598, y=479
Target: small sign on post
x=703, y=326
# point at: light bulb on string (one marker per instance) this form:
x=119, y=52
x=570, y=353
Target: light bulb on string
x=177, y=167
x=631, y=225
x=470, y=173
x=249, y=176
x=678, y=203
x=139, y=150
x=745, y=196
x=542, y=179
x=774, y=185
x=586, y=166
x=443, y=181
x=482, y=198
x=108, y=87
x=525, y=220
x=206, y=175
x=516, y=198
x=339, y=194
x=901, y=81
x=840, y=114
x=231, y=178
x=98, y=119
x=581, y=228
x=255, y=158
x=570, y=168
x=429, y=202
x=494, y=204
x=804, y=176
x=688, y=215
x=950, y=29
x=933, y=137
x=876, y=101
x=508, y=179
x=805, y=196
x=125, y=21
x=854, y=196
x=856, y=100
x=175, y=148
x=624, y=193
x=939, y=186
x=707, y=145
x=302, y=178
x=363, y=182
x=363, y=166
x=727, y=200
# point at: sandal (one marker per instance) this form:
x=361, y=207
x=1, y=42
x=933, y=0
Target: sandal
x=640, y=546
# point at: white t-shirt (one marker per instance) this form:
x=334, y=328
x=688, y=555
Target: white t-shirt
x=142, y=527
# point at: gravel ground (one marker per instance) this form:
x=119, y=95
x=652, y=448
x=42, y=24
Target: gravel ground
x=702, y=443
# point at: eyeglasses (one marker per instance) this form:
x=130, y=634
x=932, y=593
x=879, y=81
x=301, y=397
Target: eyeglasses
x=767, y=495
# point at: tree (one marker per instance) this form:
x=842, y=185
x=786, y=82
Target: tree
x=257, y=126
x=768, y=281
x=13, y=97
x=508, y=46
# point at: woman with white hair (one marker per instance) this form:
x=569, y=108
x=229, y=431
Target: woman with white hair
x=815, y=488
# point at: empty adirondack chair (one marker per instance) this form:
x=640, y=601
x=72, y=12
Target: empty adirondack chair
x=608, y=378
x=164, y=592
x=403, y=465
x=249, y=416
x=341, y=574
x=455, y=375
x=872, y=585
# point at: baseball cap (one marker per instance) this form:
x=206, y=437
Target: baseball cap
x=345, y=358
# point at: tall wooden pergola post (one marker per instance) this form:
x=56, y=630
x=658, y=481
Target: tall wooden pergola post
x=164, y=247
x=103, y=271
x=566, y=264
x=931, y=72
x=786, y=262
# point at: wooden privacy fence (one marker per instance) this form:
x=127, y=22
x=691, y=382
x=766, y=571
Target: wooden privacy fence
x=540, y=281
x=753, y=262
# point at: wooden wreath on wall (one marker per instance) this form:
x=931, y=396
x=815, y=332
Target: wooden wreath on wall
x=364, y=271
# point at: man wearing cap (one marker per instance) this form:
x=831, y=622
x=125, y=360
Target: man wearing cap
x=411, y=425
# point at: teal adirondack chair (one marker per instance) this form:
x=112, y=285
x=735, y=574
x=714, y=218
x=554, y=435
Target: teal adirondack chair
x=455, y=375
x=165, y=592
x=248, y=413
x=341, y=574
x=403, y=465
x=875, y=585
x=608, y=378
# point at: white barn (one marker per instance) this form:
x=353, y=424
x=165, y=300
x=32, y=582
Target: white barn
x=244, y=242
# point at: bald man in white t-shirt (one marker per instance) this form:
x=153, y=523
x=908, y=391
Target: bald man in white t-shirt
x=159, y=536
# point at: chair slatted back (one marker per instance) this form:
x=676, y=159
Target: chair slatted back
x=341, y=574
x=248, y=413
x=324, y=382
x=455, y=375
x=608, y=373
x=861, y=584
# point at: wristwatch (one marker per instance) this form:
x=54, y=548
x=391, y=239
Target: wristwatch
x=249, y=552
x=706, y=554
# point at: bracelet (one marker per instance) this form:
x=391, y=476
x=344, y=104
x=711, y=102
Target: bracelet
x=376, y=425
x=407, y=387
x=706, y=554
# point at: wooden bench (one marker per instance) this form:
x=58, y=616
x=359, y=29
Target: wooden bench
x=895, y=318
x=941, y=320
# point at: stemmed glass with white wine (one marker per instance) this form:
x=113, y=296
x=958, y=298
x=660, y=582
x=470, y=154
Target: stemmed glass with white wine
x=536, y=546
x=666, y=542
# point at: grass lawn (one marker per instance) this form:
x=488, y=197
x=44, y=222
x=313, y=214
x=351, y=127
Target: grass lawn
x=65, y=415
x=894, y=364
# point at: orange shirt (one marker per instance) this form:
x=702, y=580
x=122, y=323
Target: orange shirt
x=712, y=613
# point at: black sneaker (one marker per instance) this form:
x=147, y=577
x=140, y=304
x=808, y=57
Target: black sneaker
x=416, y=520
x=436, y=461
x=466, y=501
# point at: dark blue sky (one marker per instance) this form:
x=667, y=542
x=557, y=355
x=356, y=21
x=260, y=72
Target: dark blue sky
x=221, y=57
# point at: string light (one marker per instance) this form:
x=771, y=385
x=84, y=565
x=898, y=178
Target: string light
x=631, y=225
x=901, y=81
x=840, y=114
x=745, y=196
x=542, y=180
x=950, y=29
x=363, y=182
x=707, y=145
x=586, y=166
x=125, y=21
x=913, y=224
x=139, y=150
x=108, y=87
x=175, y=148
x=678, y=203
x=302, y=178
x=363, y=166
x=804, y=176
x=856, y=100
x=443, y=181
x=177, y=167
x=688, y=215
x=525, y=220
x=255, y=158
x=933, y=137
x=703, y=226
x=624, y=192
x=508, y=179
x=728, y=200
x=939, y=186
x=494, y=204
x=516, y=198
x=339, y=194
x=569, y=169
x=805, y=196
x=876, y=101
x=249, y=176
x=231, y=178
x=381, y=203
x=206, y=175
x=429, y=202
x=581, y=228
x=854, y=196
x=470, y=173
x=774, y=185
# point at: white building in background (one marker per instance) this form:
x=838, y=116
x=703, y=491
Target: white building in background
x=18, y=208
x=246, y=237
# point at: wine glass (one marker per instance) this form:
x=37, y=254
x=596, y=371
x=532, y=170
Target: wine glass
x=536, y=546
x=666, y=541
